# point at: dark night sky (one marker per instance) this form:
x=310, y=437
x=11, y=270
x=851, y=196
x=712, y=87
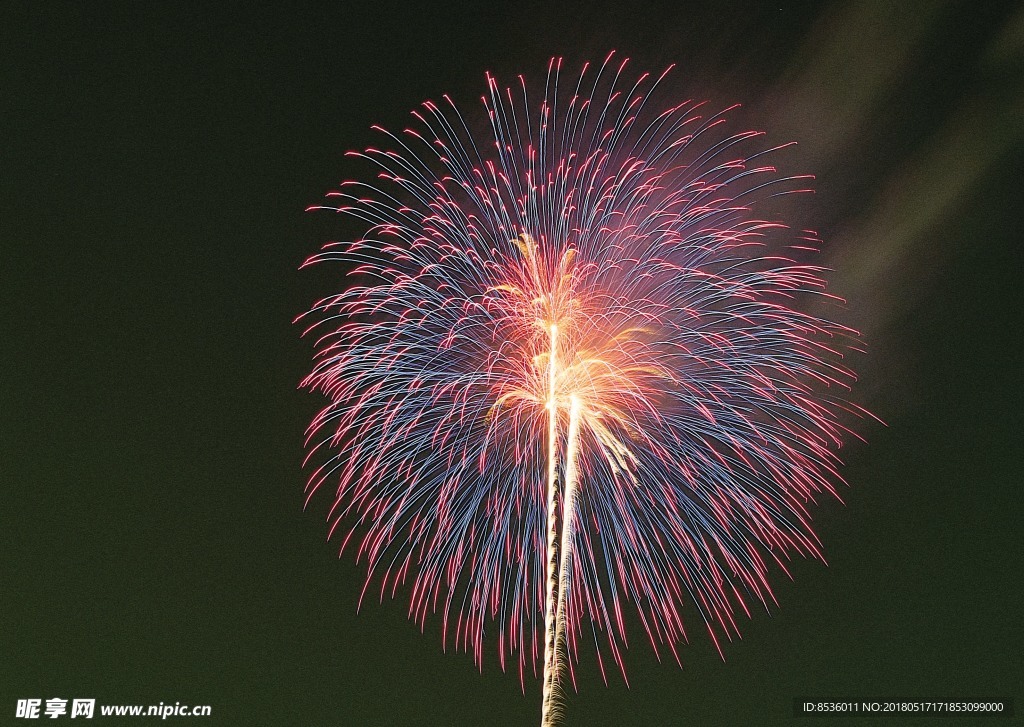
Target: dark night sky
x=155, y=167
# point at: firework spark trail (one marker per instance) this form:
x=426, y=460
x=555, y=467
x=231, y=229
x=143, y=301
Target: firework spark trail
x=571, y=372
x=550, y=707
x=552, y=590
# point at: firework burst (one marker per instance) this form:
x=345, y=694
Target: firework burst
x=570, y=376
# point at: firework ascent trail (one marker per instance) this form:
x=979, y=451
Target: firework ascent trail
x=571, y=373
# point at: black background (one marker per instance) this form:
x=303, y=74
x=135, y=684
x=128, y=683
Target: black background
x=155, y=163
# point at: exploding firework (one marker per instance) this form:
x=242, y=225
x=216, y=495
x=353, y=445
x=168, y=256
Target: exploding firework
x=570, y=374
